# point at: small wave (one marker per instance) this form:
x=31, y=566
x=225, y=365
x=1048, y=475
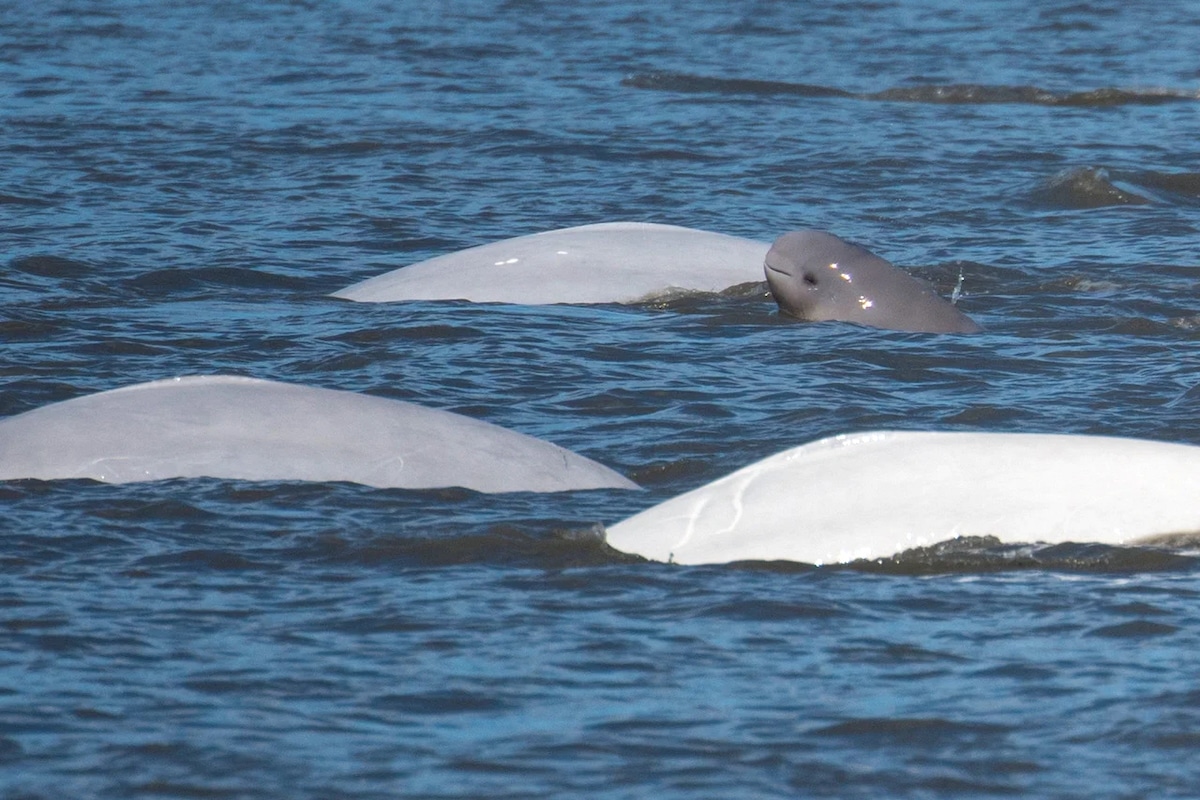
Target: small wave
x=1085, y=187
x=1170, y=187
x=955, y=93
x=15, y=200
x=682, y=82
x=982, y=94
x=562, y=547
x=439, y=702
x=1134, y=629
x=975, y=554
x=207, y=559
x=1096, y=187
x=763, y=610
x=48, y=266
x=911, y=729
x=168, y=281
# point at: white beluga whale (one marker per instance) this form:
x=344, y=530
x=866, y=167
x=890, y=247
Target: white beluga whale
x=221, y=426
x=610, y=262
x=814, y=275
x=877, y=494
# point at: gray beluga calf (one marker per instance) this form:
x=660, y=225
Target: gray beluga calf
x=610, y=262
x=876, y=494
x=221, y=426
x=816, y=276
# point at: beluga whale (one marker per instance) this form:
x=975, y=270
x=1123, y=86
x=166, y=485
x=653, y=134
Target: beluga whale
x=876, y=494
x=813, y=275
x=223, y=426
x=609, y=262
x=816, y=276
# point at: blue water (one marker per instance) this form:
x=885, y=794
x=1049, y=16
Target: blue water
x=181, y=186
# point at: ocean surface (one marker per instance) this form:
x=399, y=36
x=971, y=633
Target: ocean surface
x=182, y=186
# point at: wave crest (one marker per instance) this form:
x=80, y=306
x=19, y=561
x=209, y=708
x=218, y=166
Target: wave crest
x=954, y=93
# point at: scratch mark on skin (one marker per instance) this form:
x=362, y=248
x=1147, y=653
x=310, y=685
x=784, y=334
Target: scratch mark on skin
x=735, y=501
x=695, y=515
